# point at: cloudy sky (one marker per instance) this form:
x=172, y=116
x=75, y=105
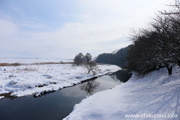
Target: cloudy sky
x=63, y=28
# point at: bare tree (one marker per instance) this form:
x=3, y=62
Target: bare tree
x=86, y=61
x=157, y=47
x=91, y=67
x=79, y=59
x=88, y=57
x=175, y=9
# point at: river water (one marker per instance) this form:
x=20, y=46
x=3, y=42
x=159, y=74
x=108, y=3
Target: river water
x=56, y=105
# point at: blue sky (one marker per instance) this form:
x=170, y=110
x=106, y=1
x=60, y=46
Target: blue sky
x=53, y=14
x=63, y=28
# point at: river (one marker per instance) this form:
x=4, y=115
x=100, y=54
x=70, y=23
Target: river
x=57, y=105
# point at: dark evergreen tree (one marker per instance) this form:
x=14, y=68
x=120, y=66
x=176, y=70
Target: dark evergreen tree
x=105, y=58
x=119, y=58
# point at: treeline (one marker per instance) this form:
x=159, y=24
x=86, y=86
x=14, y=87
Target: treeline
x=119, y=58
x=159, y=45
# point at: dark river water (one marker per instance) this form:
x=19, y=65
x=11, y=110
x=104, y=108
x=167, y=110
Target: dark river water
x=56, y=105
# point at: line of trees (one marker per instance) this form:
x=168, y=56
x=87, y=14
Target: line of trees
x=119, y=58
x=157, y=46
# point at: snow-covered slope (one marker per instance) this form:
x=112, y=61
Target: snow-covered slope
x=37, y=79
x=156, y=96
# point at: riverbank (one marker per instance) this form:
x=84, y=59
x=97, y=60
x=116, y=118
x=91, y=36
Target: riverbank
x=37, y=79
x=155, y=96
x=54, y=105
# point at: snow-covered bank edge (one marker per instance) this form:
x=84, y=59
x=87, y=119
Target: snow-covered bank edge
x=156, y=96
x=1, y=97
x=79, y=82
x=29, y=81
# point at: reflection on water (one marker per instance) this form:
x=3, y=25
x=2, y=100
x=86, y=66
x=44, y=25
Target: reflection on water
x=56, y=105
x=89, y=87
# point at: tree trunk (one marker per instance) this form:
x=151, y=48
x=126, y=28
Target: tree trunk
x=178, y=62
x=169, y=70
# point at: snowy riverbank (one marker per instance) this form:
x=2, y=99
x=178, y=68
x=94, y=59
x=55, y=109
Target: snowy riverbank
x=37, y=79
x=156, y=96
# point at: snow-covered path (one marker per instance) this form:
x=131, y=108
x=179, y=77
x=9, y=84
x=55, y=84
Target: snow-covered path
x=156, y=96
x=37, y=79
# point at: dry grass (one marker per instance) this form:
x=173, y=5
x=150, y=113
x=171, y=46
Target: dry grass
x=29, y=69
x=24, y=70
x=10, y=64
x=4, y=64
x=41, y=63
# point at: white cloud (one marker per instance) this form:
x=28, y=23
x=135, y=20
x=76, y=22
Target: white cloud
x=7, y=27
x=80, y=36
x=103, y=26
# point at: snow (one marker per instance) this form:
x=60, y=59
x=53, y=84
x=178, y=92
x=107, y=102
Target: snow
x=32, y=60
x=37, y=79
x=1, y=97
x=145, y=98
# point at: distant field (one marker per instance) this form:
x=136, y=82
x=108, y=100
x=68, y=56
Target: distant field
x=39, y=63
x=21, y=77
x=33, y=60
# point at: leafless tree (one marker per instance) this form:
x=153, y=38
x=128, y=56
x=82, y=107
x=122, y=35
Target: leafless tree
x=86, y=61
x=175, y=9
x=88, y=57
x=91, y=67
x=157, y=47
x=79, y=59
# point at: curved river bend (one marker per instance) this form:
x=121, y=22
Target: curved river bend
x=56, y=105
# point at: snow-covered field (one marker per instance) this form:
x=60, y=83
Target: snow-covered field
x=154, y=97
x=32, y=60
x=36, y=79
